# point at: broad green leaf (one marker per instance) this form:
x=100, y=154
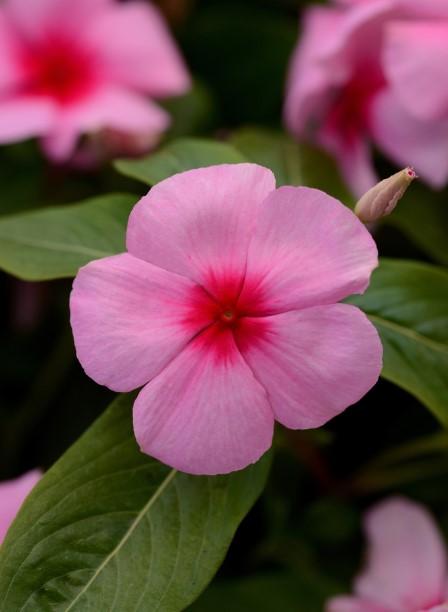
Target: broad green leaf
x=423, y=216
x=109, y=529
x=280, y=592
x=408, y=303
x=292, y=163
x=56, y=242
x=177, y=156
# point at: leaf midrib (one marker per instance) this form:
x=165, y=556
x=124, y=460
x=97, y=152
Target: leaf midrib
x=161, y=488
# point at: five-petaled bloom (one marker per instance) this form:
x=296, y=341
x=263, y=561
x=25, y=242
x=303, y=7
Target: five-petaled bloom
x=12, y=495
x=374, y=71
x=407, y=563
x=225, y=308
x=72, y=67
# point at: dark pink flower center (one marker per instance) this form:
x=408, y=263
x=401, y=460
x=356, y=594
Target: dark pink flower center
x=349, y=114
x=59, y=68
x=233, y=310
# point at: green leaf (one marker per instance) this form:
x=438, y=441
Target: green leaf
x=423, y=216
x=109, y=529
x=55, y=242
x=293, y=163
x=408, y=303
x=265, y=593
x=177, y=156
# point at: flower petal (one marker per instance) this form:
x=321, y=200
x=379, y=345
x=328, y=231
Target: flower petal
x=413, y=8
x=406, y=563
x=12, y=495
x=415, y=61
x=334, y=42
x=307, y=249
x=313, y=363
x=35, y=19
x=205, y=413
x=410, y=141
x=359, y=36
x=10, y=68
x=345, y=603
x=130, y=318
x=130, y=32
x=109, y=107
x=309, y=80
x=354, y=158
x=198, y=223
x=425, y=10
x=25, y=117
x=60, y=142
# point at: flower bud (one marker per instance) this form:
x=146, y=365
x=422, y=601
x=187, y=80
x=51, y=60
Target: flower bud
x=384, y=196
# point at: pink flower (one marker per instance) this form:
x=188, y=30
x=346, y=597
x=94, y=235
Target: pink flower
x=406, y=568
x=374, y=71
x=71, y=67
x=225, y=309
x=12, y=495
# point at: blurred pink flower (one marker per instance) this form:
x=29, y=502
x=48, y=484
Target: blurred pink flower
x=12, y=495
x=374, y=71
x=225, y=308
x=406, y=568
x=72, y=67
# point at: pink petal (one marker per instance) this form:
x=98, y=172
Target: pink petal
x=359, y=37
x=198, y=223
x=307, y=249
x=427, y=9
x=333, y=44
x=12, y=495
x=60, y=142
x=410, y=141
x=205, y=413
x=120, y=109
x=354, y=158
x=415, y=61
x=344, y=603
x=412, y=8
x=313, y=363
x=110, y=107
x=309, y=78
x=407, y=565
x=36, y=18
x=25, y=117
x=10, y=71
x=137, y=49
x=130, y=318
x=334, y=75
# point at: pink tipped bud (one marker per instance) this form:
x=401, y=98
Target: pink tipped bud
x=384, y=196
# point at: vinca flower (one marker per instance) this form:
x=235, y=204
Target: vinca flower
x=12, y=495
x=374, y=71
x=407, y=564
x=225, y=310
x=74, y=67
